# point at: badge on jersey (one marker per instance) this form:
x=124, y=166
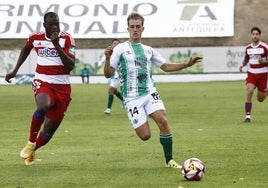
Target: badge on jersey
x=72, y=50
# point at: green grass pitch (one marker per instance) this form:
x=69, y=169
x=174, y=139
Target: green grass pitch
x=91, y=149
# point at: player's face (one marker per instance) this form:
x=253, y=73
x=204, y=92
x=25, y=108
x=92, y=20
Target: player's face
x=135, y=30
x=51, y=25
x=255, y=36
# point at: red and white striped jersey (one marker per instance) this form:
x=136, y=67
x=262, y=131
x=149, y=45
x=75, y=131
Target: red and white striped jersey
x=253, y=53
x=50, y=68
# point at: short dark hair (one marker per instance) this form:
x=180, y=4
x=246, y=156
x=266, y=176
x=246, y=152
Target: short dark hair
x=136, y=16
x=50, y=15
x=256, y=29
x=115, y=40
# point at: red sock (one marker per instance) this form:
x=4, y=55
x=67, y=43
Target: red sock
x=37, y=121
x=40, y=141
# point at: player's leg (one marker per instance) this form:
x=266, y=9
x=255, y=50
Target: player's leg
x=261, y=96
x=47, y=132
x=114, y=85
x=144, y=131
x=118, y=94
x=138, y=117
x=156, y=109
x=87, y=79
x=159, y=117
x=250, y=87
x=83, y=78
x=110, y=101
x=262, y=86
x=54, y=118
x=43, y=102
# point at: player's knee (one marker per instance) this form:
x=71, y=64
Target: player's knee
x=250, y=92
x=43, y=108
x=145, y=137
x=260, y=99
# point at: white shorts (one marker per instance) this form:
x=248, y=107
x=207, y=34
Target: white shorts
x=113, y=82
x=139, y=108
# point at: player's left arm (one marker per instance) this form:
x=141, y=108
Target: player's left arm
x=169, y=67
x=264, y=60
x=68, y=59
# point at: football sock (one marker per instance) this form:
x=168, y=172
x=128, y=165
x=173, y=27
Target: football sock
x=110, y=100
x=37, y=121
x=41, y=140
x=248, y=106
x=166, y=142
x=118, y=94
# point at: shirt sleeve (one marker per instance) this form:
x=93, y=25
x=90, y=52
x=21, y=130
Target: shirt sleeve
x=157, y=59
x=70, y=46
x=29, y=42
x=115, y=57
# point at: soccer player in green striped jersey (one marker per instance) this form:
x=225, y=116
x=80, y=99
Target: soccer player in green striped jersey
x=133, y=61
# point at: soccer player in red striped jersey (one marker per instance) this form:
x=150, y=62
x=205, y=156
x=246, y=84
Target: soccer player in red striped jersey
x=256, y=54
x=51, y=85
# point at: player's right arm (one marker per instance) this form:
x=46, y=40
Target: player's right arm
x=108, y=70
x=244, y=63
x=22, y=57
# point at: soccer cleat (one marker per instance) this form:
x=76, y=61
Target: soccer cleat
x=30, y=160
x=247, y=120
x=173, y=164
x=28, y=154
x=107, y=111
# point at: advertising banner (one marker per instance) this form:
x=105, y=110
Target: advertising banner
x=215, y=60
x=108, y=19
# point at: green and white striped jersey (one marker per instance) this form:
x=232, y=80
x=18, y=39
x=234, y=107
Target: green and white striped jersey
x=134, y=64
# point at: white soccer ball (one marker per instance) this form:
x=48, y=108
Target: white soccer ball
x=193, y=169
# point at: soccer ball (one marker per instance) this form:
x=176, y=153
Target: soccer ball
x=193, y=169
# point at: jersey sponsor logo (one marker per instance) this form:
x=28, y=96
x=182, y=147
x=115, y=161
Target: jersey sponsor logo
x=140, y=61
x=255, y=51
x=142, y=77
x=42, y=44
x=47, y=52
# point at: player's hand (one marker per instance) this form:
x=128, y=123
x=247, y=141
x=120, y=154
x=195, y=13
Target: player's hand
x=54, y=38
x=108, y=51
x=193, y=60
x=262, y=60
x=9, y=76
x=241, y=68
